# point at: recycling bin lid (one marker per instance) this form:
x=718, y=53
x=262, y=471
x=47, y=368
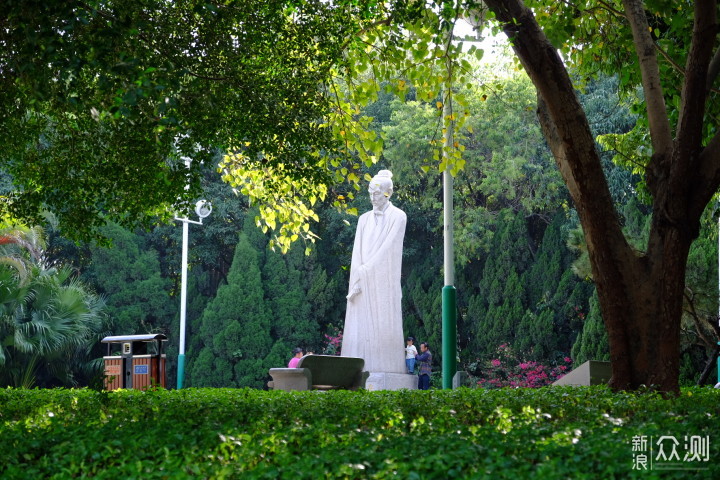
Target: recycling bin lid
x=134, y=338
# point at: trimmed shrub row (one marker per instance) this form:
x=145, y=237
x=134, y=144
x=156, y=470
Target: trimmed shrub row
x=554, y=432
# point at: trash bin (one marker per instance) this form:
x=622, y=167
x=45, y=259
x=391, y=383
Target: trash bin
x=135, y=361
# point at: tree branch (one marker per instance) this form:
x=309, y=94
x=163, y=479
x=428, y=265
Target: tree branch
x=714, y=65
x=563, y=120
x=386, y=22
x=713, y=70
x=678, y=68
x=689, y=130
x=660, y=133
x=611, y=9
x=690, y=302
x=702, y=164
x=706, y=176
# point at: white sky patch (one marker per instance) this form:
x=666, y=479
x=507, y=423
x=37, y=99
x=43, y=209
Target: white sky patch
x=493, y=45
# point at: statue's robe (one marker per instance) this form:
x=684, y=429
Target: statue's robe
x=373, y=320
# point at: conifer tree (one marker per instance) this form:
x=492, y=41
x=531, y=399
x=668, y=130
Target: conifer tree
x=592, y=343
x=128, y=275
x=501, y=298
x=235, y=328
x=571, y=303
x=546, y=271
x=286, y=298
x=325, y=296
x=501, y=321
x=475, y=314
x=422, y=305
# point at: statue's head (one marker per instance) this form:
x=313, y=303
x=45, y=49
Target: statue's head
x=380, y=189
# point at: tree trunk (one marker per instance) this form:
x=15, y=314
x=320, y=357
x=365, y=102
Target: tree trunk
x=640, y=294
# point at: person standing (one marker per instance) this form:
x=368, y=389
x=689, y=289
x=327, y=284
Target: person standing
x=410, y=352
x=425, y=361
x=373, y=319
x=297, y=355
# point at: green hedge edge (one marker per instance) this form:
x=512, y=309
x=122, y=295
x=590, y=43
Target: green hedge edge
x=552, y=432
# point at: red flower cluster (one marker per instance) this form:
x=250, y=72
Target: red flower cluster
x=509, y=371
x=333, y=342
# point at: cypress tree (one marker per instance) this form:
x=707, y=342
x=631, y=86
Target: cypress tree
x=285, y=296
x=500, y=287
x=592, y=343
x=476, y=323
x=137, y=296
x=235, y=328
x=544, y=275
x=571, y=302
x=422, y=304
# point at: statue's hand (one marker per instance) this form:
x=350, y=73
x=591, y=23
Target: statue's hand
x=353, y=293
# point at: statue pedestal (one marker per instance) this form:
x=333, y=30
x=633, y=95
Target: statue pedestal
x=391, y=381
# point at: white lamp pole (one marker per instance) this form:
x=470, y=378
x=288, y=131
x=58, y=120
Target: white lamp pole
x=183, y=303
x=449, y=293
x=202, y=209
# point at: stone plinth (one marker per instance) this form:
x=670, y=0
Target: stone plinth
x=460, y=379
x=592, y=372
x=391, y=381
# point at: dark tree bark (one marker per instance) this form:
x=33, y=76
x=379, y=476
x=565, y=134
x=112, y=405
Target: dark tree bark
x=641, y=294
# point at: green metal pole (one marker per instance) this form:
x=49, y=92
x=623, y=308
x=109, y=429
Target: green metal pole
x=180, y=370
x=449, y=335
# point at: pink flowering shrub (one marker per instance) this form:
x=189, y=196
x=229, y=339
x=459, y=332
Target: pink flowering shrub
x=333, y=342
x=507, y=370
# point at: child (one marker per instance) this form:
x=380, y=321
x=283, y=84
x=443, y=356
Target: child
x=410, y=352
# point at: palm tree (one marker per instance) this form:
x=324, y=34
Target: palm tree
x=49, y=320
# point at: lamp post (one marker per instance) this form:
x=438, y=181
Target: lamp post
x=202, y=209
x=449, y=294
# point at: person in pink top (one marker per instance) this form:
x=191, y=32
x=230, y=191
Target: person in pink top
x=297, y=355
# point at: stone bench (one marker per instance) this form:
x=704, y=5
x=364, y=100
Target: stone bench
x=321, y=372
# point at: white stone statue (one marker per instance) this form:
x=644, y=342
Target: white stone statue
x=373, y=321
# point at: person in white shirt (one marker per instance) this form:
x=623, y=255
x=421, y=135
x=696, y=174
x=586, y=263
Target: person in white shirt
x=410, y=352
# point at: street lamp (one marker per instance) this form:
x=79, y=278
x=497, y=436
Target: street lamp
x=202, y=210
x=449, y=293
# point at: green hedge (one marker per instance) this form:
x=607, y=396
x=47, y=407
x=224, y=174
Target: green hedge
x=554, y=432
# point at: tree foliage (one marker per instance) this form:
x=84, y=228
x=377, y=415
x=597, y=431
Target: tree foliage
x=306, y=294
x=124, y=90
x=49, y=320
x=101, y=99
x=235, y=328
x=128, y=275
x=667, y=50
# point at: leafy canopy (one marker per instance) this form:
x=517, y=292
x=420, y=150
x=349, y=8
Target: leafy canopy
x=101, y=99
x=407, y=47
